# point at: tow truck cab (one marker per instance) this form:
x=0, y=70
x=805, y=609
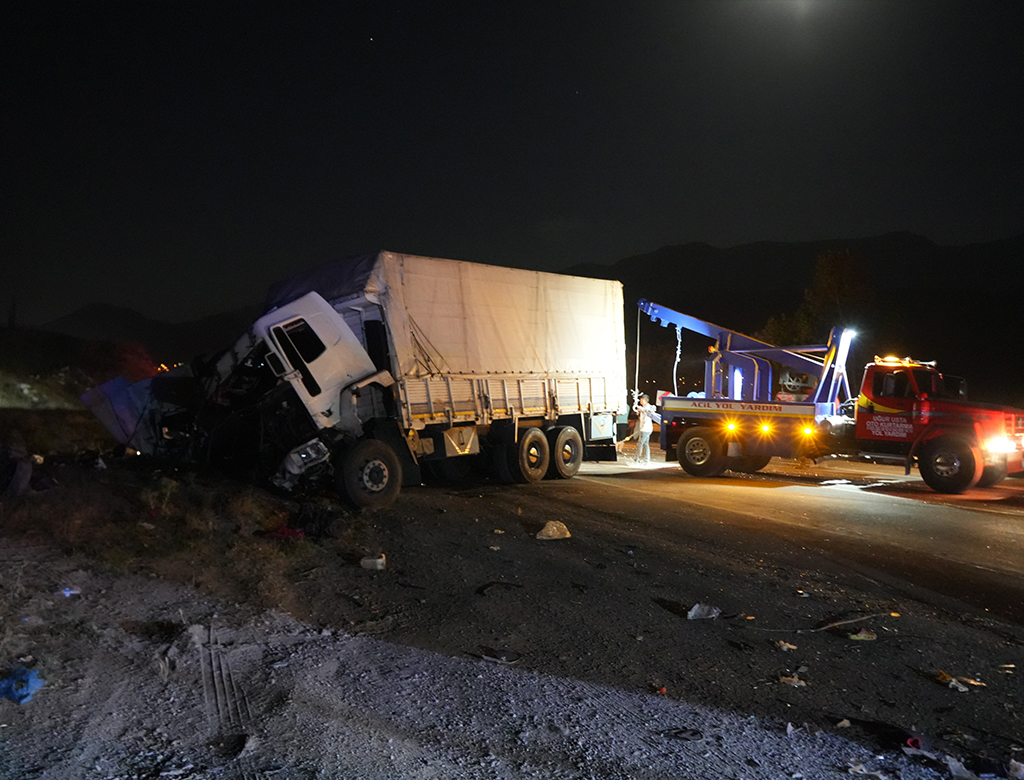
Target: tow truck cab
x=906, y=407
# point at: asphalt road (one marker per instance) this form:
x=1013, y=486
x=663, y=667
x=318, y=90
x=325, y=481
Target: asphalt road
x=968, y=547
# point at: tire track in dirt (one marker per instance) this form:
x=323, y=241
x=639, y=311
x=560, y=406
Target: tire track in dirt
x=227, y=706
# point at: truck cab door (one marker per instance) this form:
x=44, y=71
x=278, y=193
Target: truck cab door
x=319, y=353
x=887, y=406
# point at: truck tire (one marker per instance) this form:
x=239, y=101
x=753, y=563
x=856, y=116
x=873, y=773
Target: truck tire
x=748, y=464
x=950, y=464
x=700, y=452
x=566, y=446
x=992, y=476
x=369, y=475
x=526, y=460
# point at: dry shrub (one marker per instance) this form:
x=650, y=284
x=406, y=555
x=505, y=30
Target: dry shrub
x=51, y=432
x=252, y=510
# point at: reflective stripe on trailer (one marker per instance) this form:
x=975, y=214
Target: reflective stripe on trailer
x=753, y=408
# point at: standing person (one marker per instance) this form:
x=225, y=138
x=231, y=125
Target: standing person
x=647, y=415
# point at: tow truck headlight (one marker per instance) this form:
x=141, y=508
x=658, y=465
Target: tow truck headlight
x=1000, y=444
x=807, y=431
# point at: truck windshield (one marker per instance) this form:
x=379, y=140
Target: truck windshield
x=930, y=382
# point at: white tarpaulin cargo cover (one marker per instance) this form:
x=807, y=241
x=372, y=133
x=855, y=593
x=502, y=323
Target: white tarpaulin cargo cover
x=455, y=317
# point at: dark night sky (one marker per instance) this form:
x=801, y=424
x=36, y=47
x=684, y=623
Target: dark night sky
x=178, y=157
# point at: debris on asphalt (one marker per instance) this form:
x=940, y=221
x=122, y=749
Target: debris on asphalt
x=784, y=646
x=482, y=590
x=499, y=655
x=703, y=612
x=860, y=769
x=374, y=563
x=553, y=529
x=836, y=623
x=67, y=592
x=683, y=734
x=793, y=681
x=957, y=683
x=864, y=635
x=843, y=724
x=20, y=685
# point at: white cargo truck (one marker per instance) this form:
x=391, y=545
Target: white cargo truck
x=372, y=369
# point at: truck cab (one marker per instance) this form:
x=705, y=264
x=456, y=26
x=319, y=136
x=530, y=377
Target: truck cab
x=908, y=409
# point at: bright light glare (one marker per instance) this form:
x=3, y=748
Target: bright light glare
x=808, y=431
x=766, y=428
x=1000, y=444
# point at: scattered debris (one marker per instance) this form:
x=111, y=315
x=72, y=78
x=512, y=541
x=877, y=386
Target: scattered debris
x=843, y=724
x=703, y=612
x=864, y=635
x=68, y=592
x=957, y=683
x=683, y=734
x=498, y=531
x=860, y=769
x=499, y=655
x=836, y=623
x=482, y=590
x=958, y=770
x=784, y=646
x=793, y=681
x=374, y=563
x=20, y=685
x=553, y=529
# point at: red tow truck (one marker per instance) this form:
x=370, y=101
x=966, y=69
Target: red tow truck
x=906, y=412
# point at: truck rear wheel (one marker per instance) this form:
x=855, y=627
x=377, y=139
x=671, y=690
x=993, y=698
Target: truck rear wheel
x=369, y=475
x=566, y=447
x=951, y=464
x=748, y=464
x=526, y=460
x=700, y=452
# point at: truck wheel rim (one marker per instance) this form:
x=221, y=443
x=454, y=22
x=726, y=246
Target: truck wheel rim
x=533, y=456
x=568, y=453
x=697, y=451
x=374, y=475
x=946, y=464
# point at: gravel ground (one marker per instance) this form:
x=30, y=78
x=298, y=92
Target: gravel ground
x=477, y=654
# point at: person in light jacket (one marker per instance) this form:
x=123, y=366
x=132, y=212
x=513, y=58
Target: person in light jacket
x=647, y=415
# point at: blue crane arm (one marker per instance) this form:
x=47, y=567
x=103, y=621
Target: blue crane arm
x=733, y=341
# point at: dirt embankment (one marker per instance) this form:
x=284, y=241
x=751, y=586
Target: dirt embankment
x=198, y=638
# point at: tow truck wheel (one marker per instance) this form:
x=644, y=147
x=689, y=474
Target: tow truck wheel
x=748, y=464
x=951, y=464
x=566, y=452
x=700, y=452
x=992, y=476
x=369, y=476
